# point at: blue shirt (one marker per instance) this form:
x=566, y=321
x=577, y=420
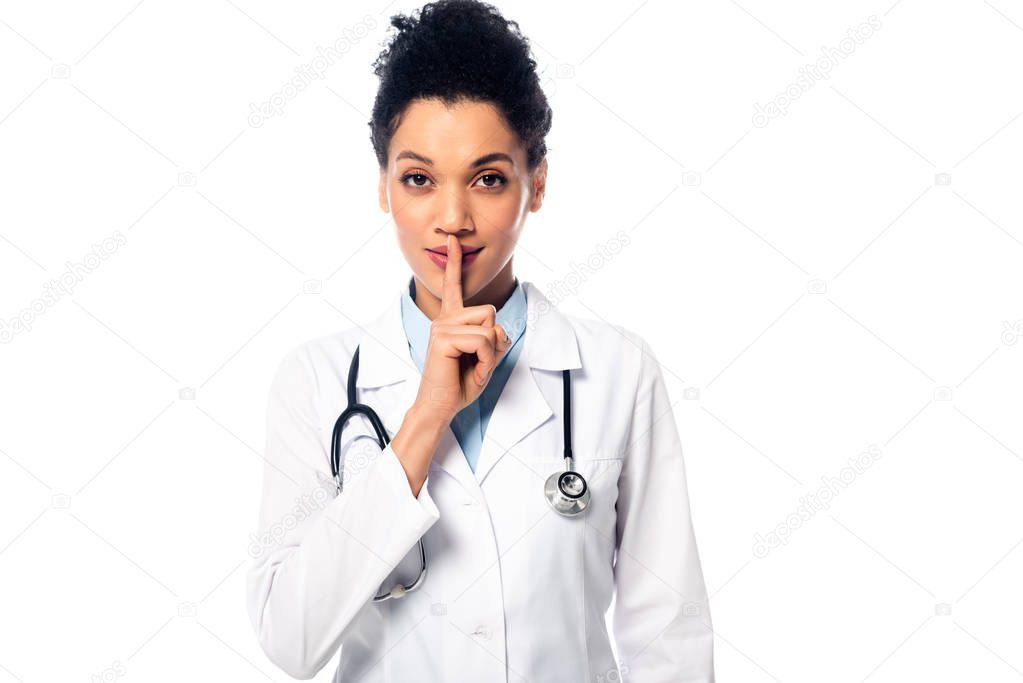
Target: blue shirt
x=471, y=422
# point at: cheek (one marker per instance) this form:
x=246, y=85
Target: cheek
x=409, y=215
x=499, y=213
x=409, y=238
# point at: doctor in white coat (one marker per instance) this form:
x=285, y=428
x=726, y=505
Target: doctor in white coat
x=514, y=592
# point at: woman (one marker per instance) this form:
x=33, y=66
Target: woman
x=466, y=371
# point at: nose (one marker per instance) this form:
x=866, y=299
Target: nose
x=453, y=211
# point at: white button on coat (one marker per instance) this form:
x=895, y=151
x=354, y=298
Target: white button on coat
x=513, y=592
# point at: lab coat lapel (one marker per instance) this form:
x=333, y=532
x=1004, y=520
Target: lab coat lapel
x=385, y=364
x=549, y=344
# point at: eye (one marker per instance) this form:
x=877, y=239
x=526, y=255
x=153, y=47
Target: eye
x=491, y=181
x=495, y=177
x=405, y=178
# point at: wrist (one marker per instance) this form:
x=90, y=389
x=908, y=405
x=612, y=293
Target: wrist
x=415, y=443
x=425, y=422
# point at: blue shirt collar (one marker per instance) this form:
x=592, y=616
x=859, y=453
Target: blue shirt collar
x=511, y=316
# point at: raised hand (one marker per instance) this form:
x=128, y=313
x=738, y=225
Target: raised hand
x=465, y=346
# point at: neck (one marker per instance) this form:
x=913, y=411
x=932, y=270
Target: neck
x=496, y=292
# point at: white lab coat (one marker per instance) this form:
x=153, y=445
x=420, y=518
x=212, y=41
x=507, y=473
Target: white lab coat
x=513, y=591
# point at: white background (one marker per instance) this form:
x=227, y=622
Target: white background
x=815, y=289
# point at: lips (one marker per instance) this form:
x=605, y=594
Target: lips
x=443, y=250
x=468, y=258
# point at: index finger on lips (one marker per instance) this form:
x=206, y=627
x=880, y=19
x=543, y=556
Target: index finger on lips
x=451, y=295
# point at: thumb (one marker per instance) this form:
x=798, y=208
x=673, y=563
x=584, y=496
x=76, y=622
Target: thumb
x=503, y=340
x=503, y=344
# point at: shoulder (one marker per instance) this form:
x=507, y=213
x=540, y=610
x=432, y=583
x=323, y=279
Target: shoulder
x=601, y=342
x=613, y=348
x=622, y=374
x=310, y=361
x=594, y=332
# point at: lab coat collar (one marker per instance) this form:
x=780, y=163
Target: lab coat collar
x=549, y=343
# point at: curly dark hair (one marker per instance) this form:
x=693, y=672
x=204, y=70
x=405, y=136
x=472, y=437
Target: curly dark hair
x=460, y=50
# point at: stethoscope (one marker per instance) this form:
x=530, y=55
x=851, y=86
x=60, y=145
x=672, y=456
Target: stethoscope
x=566, y=491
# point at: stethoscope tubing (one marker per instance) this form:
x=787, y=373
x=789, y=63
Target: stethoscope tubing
x=566, y=491
x=354, y=408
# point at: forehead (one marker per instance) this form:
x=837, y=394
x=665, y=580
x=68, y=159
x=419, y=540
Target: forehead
x=453, y=136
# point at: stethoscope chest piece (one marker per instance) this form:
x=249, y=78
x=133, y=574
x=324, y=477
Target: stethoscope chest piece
x=567, y=492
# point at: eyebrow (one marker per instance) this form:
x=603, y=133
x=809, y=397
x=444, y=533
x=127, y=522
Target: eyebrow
x=482, y=161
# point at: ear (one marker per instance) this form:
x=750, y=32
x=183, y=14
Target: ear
x=382, y=192
x=538, y=186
